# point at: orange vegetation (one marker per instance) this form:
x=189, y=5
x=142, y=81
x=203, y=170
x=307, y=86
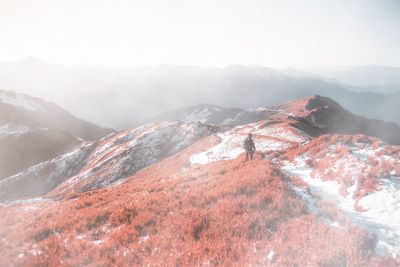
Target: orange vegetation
x=172, y=214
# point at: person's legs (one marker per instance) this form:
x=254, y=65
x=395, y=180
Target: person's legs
x=247, y=155
x=251, y=155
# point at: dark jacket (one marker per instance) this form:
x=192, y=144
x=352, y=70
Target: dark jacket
x=249, y=144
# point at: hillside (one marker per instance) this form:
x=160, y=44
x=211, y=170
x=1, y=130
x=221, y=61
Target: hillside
x=34, y=112
x=33, y=130
x=210, y=114
x=309, y=198
x=330, y=117
x=105, y=162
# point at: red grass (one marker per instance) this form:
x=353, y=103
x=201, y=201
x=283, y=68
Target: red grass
x=225, y=213
x=230, y=213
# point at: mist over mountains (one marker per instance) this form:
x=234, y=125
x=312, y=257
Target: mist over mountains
x=33, y=130
x=200, y=133
x=317, y=166
x=362, y=76
x=121, y=98
x=185, y=186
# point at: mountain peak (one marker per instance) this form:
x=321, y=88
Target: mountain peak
x=318, y=101
x=304, y=106
x=327, y=116
x=31, y=60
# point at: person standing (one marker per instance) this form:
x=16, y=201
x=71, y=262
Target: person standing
x=249, y=147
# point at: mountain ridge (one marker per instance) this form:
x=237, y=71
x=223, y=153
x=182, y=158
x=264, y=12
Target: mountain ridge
x=237, y=85
x=307, y=198
x=33, y=130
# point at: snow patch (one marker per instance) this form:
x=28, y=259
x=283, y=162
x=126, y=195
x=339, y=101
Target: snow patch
x=227, y=149
x=23, y=201
x=36, y=252
x=310, y=201
x=382, y=208
x=270, y=138
x=98, y=242
x=12, y=129
x=123, y=154
x=143, y=238
x=271, y=255
x=198, y=115
x=21, y=101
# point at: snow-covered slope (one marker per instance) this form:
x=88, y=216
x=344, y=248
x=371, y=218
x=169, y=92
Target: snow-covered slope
x=103, y=163
x=12, y=129
x=41, y=178
x=211, y=114
x=22, y=147
x=34, y=112
x=268, y=138
x=177, y=193
x=22, y=101
x=361, y=176
x=127, y=152
x=33, y=130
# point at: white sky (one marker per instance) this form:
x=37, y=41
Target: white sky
x=204, y=32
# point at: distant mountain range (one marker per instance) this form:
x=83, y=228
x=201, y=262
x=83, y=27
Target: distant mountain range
x=209, y=114
x=373, y=76
x=33, y=130
x=121, y=98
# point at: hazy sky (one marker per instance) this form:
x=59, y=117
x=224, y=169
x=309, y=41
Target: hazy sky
x=204, y=32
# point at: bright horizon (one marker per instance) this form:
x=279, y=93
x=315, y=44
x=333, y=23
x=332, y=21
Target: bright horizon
x=202, y=33
x=278, y=68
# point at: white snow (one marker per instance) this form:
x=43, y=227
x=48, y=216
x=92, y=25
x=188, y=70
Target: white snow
x=271, y=255
x=335, y=224
x=283, y=133
x=12, y=129
x=235, y=119
x=132, y=150
x=273, y=110
x=311, y=206
x=36, y=252
x=270, y=138
x=143, y=238
x=228, y=148
x=362, y=154
x=98, y=242
x=23, y=201
x=61, y=164
x=20, y=101
x=382, y=208
x=198, y=115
